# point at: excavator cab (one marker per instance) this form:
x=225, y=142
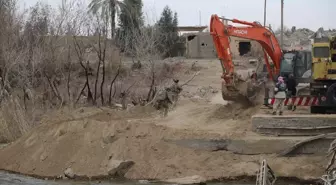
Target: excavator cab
x=293, y=62
x=296, y=63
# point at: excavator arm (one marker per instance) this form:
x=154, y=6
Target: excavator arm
x=253, y=31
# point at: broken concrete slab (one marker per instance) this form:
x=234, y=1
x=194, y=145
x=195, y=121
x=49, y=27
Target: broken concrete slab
x=294, y=125
x=322, y=142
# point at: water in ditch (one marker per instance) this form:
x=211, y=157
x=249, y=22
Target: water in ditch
x=14, y=179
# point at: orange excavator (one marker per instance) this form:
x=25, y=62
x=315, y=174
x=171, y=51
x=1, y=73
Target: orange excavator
x=234, y=87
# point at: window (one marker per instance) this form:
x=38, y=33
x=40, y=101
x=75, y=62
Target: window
x=244, y=48
x=289, y=56
x=333, y=44
x=321, y=52
x=287, y=62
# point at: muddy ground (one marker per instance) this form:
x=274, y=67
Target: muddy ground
x=86, y=139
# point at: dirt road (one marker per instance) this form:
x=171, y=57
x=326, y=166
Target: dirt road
x=87, y=139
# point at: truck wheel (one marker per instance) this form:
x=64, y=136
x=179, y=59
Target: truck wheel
x=331, y=93
x=317, y=110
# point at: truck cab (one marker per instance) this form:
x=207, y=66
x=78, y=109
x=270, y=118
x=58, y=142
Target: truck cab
x=324, y=74
x=324, y=68
x=333, y=49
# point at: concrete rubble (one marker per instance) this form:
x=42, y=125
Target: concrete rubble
x=300, y=37
x=304, y=125
x=69, y=173
x=118, y=168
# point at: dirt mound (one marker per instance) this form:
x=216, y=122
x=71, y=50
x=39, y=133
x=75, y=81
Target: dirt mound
x=214, y=118
x=235, y=112
x=89, y=139
x=86, y=144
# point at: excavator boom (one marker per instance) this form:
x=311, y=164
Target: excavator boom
x=232, y=86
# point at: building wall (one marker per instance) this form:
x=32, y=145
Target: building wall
x=201, y=46
x=234, y=45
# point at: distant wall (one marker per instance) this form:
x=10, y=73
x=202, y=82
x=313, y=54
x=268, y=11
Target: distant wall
x=200, y=45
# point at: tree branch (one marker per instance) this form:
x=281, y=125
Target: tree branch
x=192, y=78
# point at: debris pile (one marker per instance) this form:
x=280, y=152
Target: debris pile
x=295, y=38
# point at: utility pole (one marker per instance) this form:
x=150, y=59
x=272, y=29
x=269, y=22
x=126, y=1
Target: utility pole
x=265, y=13
x=200, y=18
x=281, y=36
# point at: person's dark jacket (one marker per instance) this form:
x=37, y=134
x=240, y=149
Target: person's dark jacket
x=291, y=85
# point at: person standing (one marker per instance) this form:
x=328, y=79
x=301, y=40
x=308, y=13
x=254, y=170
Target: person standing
x=163, y=101
x=291, y=85
x=168, y=96
x=175, y=91
x=280, y=96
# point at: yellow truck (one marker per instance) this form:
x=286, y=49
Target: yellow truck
x=323, y=82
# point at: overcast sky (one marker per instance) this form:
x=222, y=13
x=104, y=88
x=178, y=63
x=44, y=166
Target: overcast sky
x=300, y=13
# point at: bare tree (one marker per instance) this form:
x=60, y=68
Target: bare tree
x=112, y=83
x=42, y=60
x=80, y=54
x=146, y=53
x=101, y=54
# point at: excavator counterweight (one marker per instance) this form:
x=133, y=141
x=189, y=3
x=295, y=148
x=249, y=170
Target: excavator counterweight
x=234, y=86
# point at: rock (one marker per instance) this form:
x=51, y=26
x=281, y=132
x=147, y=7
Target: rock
x=69, y=173
x=118, y=105
x=188, y=180
x=253, y=61
x=3, y=145
x=144, y=181
x=214, y=91
x=118, y=168
x=196, y=97
x=109, y=139
x=43, y=156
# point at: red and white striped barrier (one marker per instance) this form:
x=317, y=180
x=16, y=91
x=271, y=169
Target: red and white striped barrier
x=298, y=101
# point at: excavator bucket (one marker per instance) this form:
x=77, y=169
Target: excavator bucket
x=242, y=91
x=253, y=91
